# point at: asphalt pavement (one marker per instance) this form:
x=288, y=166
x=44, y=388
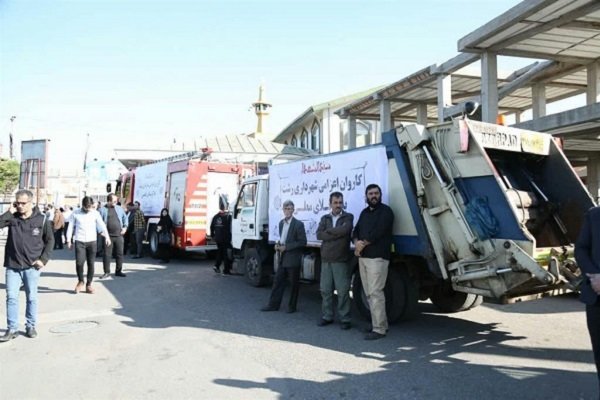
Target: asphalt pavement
x=180, y=331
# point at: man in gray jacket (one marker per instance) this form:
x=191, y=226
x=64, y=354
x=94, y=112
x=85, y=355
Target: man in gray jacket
x=290, y=247
x=334, y=231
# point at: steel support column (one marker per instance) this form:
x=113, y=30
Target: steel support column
x=489, y=87
x=538, y=105
x=593, y=83
x=444, y=94
x=351, y=132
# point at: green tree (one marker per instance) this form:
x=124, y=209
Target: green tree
x=9, y=175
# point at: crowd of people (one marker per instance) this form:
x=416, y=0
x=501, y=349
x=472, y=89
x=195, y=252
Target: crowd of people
x=92, y=230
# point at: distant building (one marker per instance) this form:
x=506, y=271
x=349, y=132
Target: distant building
x=321, y=130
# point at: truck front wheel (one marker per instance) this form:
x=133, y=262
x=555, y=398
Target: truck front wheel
x=153, y=241
x=449, y=300
x=255, y=272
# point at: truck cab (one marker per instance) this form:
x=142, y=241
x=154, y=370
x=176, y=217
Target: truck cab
x=249, y=227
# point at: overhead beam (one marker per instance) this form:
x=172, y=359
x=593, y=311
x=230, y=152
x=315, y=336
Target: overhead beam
x=505, y=20
x=563, y=119
x=546, y=56
x=454, y=64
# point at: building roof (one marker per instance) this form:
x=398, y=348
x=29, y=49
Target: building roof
x=234, y=148
x=315, y=109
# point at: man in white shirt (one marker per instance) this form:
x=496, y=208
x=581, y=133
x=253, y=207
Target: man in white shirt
x=67, y=215
x=85, y=224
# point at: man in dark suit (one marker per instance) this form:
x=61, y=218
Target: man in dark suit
x=290, y=247
x=587, y=254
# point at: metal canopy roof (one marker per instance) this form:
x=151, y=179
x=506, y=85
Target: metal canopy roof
x=231, y=148
x=562, y=80
x=565, y=31
x=562, y=30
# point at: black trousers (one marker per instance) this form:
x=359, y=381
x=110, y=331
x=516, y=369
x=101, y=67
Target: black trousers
x=114, y=250
x=85, y=251
x=284, y=274
x=164, y=252
x=100, y=245
x=139, y=241
x=592, y=313
x=223, y=257
x=65, y=229
x=127, y=245
x=58, y=239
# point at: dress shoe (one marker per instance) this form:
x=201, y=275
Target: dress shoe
x=324, y=322
x=225, y=273
x=79, y=287
x=120, y=274
x=346, y=325
x=269, y=308
x=216, y=269
x=30, y=332
x=89, y=289
x=104, y=276
x=374, y=336
x=9, y=335
x=291, y=310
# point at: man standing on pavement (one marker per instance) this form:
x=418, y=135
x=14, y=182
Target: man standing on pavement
x=116, y=222
x=129, y=242
x=587, y=254
x=220, y=231
x=28, y=249
x=85, y=224
x=139, y=228
x=334, y=231
x=290, y=246
x=67, y=218
x=58, y=224
x=373, y=246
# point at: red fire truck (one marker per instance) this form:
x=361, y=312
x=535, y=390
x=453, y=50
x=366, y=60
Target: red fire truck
x=190, y=188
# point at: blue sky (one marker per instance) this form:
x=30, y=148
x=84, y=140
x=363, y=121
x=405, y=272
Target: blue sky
x=140, y=73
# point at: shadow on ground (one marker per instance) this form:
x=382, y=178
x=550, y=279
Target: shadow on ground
x=457, y=354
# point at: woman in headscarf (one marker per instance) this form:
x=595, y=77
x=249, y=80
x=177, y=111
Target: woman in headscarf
x=164, y=228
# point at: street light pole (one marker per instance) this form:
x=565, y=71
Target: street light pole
x=11, y=141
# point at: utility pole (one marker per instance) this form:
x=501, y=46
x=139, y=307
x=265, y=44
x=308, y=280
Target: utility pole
x=11, y=141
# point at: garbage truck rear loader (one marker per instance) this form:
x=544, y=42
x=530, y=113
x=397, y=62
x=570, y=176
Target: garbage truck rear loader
x=482, y=210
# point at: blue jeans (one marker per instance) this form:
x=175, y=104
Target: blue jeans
x=30, y=278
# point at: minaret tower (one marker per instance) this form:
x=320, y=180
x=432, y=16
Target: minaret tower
x=261, y=109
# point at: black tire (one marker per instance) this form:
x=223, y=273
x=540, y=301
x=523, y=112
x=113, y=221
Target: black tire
x=255, y=271
x=397, y=304
x=411, y=311
x=450, y=301
x=153, y=242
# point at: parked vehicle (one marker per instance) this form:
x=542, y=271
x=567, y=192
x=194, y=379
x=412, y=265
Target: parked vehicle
x=481, y=210
x=190, y=188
